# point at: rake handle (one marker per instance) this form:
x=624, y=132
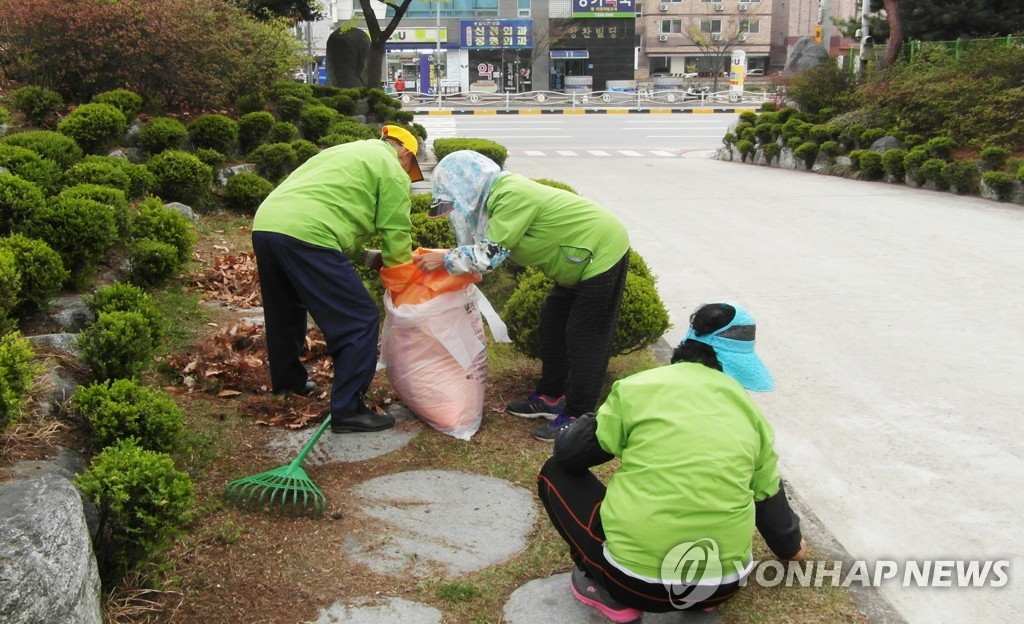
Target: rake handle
x=312, y=442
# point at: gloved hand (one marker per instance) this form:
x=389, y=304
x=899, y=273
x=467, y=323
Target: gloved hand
x=373, y=259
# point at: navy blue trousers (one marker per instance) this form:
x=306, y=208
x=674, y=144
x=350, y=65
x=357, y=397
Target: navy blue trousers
x=296, y=278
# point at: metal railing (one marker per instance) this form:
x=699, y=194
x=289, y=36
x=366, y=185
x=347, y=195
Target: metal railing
x=550, y=100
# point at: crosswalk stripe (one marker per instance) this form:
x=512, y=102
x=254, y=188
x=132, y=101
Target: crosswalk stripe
x=598, y=153
x=566, y=153
x=661, y=153
x=534, y=153
x=630, y=153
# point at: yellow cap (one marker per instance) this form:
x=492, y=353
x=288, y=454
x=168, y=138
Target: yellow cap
x=401, y=135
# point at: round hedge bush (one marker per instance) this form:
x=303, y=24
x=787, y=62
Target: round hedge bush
x=30, y=166
x=1000, y=182
x=116, y=346
x=113, y=198
x=246, y=191
x=128, y=102
x=36, y=103
x=17, y=372
x=995, y=157
x=289, y=108
x=20, y=201
x=98, y=173
x=304, y=150
x=961, y=176
x=807, y=152
x=431, y=233
x=156, y=221
x=123, y=409
x=143, y=503
x=931, y=171
x=353, y=128
x=95, y=127
x=871, y=165
x=283, y=132
x=211, y=157
x=316, y=120
x=894, y=163
x=180, y=176
x=81, y=230
x=140, y=178
x=253, y=129
x=42, y=272
x=61, y=149
x=10, y=288
x=160, y=134
x=151, y=263
x=216, y=132
x=122, y=297
x=274, y=161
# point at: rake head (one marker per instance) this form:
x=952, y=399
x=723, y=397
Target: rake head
x=287, y=489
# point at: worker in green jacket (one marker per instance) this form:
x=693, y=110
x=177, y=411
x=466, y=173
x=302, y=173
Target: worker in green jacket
x=579, y=244
x=306, y=234
x=698, y=473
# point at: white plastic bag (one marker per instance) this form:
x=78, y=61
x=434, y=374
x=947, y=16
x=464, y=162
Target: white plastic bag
x=435, y=354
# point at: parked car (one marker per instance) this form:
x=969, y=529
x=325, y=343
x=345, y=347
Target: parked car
x=755, y=72
x=299, y=75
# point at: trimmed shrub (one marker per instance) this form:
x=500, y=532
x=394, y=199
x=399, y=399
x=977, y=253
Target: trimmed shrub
x=341, y=103
x=286, y=88
x=5, y=115
x=152, y=263
x=117, y=346
x=643, y=318
x=274, y=161
x=807, y=152
x=213, y=131
x=1000, y=182
x=123, y=409
x=51, y=145
x=161, y=133
x=42, y=272
x=156, y=221
x=81, y=230
x=746, y=148
x=140, y=178
x=638, y=266
x=871, y=165
x=431, y=233
x=110, y=197
x=931, y=171
x=821, y=133
x=180, y=176
x=316, y=121
x=915, y=157
x=893, y=163
x=354, y=128
x=332, y=140
x=871, y=135
x=913, y=140
x=246, y=191
x=994, y=157
x=728, y=139
x=143, y=503
x=20, y=201
x=17, y=372
x=304, y=150
x=283, y=132
x=10, y=287
x=37, y=104
x=253, y=129
x=30, y=166
x=941, y=147
x=556, y=184
x=771, y=151
x=961, y=176
x=490, y=149
x=795, y=127
x=421, y=202
x=749, y=117
x=128, y=102
x=95, y=127
x=850, y=136
x=1020, y=173
x=211, y=157
x=121, y=297
x=250, y=103
x=289, y=108
x=99, y=173
x=764, y=133
x=830, y=148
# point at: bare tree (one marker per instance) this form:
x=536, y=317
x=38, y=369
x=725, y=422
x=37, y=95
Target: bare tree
x=379, y=37
x=717, y=47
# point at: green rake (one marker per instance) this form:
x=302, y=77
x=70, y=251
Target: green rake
x=287, y=489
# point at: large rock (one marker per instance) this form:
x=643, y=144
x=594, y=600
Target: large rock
x=47, y=570
x=806, y=54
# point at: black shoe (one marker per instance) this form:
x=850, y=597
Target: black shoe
x=308, y=390
x=364, y=420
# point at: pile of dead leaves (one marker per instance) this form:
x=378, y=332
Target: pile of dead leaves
x=232, y=280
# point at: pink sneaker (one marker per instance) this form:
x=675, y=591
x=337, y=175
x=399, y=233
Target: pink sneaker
x=593, y=595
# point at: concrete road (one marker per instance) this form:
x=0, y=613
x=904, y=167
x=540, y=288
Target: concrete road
x=893, y=320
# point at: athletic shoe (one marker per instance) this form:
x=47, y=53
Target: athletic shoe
x=593, y=595
x=548, y=431
x=537, y=405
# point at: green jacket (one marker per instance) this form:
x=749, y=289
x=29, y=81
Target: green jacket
x=568, y=237
x=342, y=196
x=696, y=453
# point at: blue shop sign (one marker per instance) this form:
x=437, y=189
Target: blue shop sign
x=496, y=34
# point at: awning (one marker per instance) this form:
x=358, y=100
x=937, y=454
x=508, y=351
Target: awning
x=570, y=54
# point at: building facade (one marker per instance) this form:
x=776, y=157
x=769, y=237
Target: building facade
x=580, y=45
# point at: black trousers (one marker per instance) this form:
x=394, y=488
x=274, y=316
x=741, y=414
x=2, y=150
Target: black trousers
x=577, y=327
x=296, y=278
x=573, y=502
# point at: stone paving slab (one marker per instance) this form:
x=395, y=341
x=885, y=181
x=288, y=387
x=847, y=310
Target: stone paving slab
x=378, y=611
x=347, y=447
x=439, y=522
